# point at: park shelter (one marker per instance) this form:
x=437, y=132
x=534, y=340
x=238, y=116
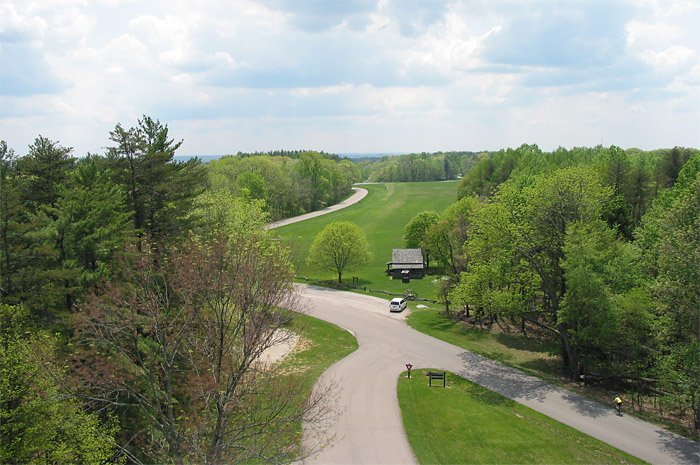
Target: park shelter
x=406, y=264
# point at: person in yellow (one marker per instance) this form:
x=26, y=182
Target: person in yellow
x=618, y=404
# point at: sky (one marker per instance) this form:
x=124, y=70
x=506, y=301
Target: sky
x=352, y=76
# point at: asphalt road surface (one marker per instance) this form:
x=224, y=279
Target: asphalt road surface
x=369, y=430
x=358, y=195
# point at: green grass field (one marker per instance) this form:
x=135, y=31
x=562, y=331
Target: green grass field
x=467, y=424
x=383, y=216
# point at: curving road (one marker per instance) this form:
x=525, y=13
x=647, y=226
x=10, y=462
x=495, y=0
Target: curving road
x=369, y=428
x=358, y=195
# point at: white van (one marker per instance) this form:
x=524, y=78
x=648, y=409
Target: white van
x=397, y=304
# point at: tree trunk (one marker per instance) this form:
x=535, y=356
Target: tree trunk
x=570, y=354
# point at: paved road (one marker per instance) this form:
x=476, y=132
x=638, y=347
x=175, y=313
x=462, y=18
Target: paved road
x=359, y=194
x=369, y=430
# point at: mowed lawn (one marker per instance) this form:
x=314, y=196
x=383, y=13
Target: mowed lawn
x=467, y=424
x=382, y=215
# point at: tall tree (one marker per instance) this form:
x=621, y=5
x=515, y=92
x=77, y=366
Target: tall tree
x=530, y=222
x=45, y=167
x=179, y=336
x=161, y=190
x=89, y=227
x=341, y=246
x=446, y=238
x=602, y=274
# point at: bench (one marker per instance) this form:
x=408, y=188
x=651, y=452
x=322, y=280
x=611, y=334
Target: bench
x=437, y=375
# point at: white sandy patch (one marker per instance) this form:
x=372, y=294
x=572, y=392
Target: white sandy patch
x=286, y=342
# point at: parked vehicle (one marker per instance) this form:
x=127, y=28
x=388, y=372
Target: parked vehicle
x=397, y=304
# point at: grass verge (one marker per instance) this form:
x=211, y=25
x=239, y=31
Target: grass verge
x=465, y=423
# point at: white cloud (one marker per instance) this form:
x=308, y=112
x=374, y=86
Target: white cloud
x=673, y=57
x=21, y=25
x=382, y=75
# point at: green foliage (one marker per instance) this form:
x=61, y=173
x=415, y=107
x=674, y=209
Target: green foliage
x=161, y=191
x=446, y=238
x=603, y=278
x=341, y=246
x=44, y=169
x=416, y=167
x=417, y=228
x=417, y=232
x=289, y=186
x=558, y=248
x=221, y=213
x=38, y=423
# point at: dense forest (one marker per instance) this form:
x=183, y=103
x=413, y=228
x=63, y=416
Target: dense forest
x=136, y=293
x=596, y=250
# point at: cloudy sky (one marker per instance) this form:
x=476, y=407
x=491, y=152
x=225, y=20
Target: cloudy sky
x=353, y=75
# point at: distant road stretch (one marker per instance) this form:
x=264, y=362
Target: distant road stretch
x=359, y=194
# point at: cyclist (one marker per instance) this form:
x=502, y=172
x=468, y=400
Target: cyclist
x=618, y=404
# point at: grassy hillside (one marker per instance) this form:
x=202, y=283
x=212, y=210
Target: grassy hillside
x=382, y=215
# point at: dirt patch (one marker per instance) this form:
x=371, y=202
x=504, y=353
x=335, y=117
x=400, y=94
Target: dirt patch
x=287, y=342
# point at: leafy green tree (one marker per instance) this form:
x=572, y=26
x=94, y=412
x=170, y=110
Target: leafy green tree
x=496, y=281
x=528, y=224
x=90, y=225
x=446, y=238
x=601, y=271
x=38, y=423
x=340, y=246
x=221, y=213
x=670, y=238
x=311, y=168
x=417, y=231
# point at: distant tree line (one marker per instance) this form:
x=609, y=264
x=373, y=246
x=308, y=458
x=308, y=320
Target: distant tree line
x=136, y=293
x=440, y=166
x=288, y=183
x=596, y=250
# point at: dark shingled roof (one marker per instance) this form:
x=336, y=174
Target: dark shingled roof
x=407, y=258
